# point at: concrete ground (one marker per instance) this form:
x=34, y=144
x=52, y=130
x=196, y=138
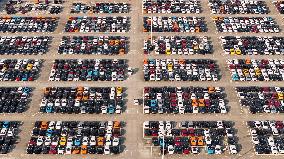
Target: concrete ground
x=136, y=146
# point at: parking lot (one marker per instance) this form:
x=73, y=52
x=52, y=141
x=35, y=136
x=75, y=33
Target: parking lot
x=135, y=145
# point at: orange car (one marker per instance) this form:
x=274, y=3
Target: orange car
x=193, y=141
x=215, y=18
x=116, y=124
x=76, y=150
x=248, y=61
x=79, y=95
x=145, y=61
x=43, y=125
x=197, y=29
x=201, y=102
x=47, y=90
x=86, y=96
x=80, y=89
x=194, y=102
x=211, y=89
x=100, y=42
x=111, y=42
x=121, y=52
x=117, y=42
x=181, y=61
x=84, y=149
x=200, y=141
x=100, y=141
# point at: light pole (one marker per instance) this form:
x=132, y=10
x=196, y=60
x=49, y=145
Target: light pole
x=152, y=30
x=163, y=155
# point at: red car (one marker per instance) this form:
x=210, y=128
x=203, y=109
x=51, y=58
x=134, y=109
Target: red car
x=186, y=150
x=52, y=150
x=184, y=132
x=177, y=141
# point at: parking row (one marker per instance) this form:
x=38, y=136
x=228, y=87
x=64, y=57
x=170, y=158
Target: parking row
x=267, y=136
x=106, y=137
x=28, y=24
x=9, y=131
x=280, y=6
x=15, y=7
x=192, y=136
x=262, y=99
x=74, y=137
x=19, y=69
x=252, y=45
x=154, y=70
x=174, y=24
x=12, y=45
x=256, y=70
x=14, y=99
x=119, y=45
x=106, y=45
x=183, y=100
x=155, y=24
x=181, y=45
x=82, y=100
x=181, y=70
x=149, y=6
x=97, y=24
x=238, y=7
x=246, y=24
x=89, y=70
x=171, y=6
x=100, y=7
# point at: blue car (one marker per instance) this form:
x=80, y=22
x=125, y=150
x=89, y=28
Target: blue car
x=77, y=142
x=6, y=124
x=48, y=109
x=111, y=109
x=26, y=90
x=49, y=132
x=95, y=72
x=153, y=103
x=162, y=142
x=210, y=150
x=25, y=77
x=235, y=77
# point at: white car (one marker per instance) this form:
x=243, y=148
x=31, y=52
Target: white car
x=233, y=149
x=274, y=150
x=220, y=125
x=68, y=150
x=93, y=141
x=218, y=149
x=271, y=141
x=115, y=141
x=106, y=150
x=195, y=150
x=171, y=149
x=255, y=140
x=39, y=141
